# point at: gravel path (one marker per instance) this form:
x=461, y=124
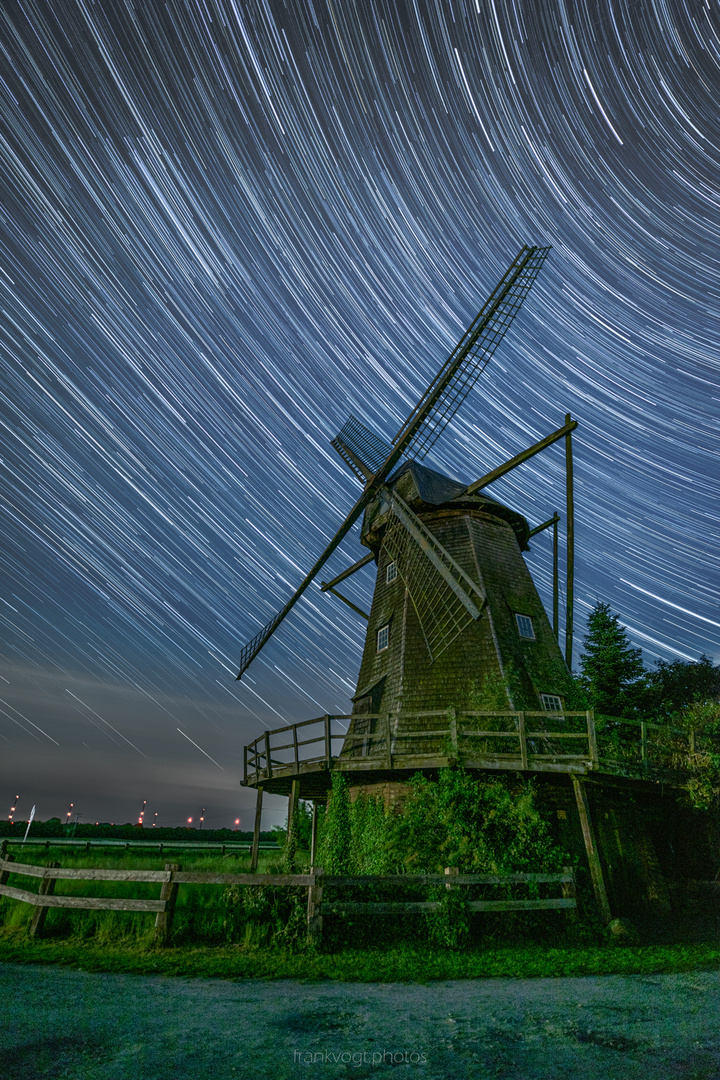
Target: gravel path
x=61, y=1023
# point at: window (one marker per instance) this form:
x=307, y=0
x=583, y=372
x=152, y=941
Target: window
x=525, y=626
x=551, y=703
x=383, y=637
x=391, y=572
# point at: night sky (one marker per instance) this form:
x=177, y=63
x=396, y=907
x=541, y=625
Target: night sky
x=226, y=225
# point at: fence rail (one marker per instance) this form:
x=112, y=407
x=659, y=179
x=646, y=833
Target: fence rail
x=518, y=740
x=172, y=877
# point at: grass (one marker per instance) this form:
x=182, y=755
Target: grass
x=369, y=965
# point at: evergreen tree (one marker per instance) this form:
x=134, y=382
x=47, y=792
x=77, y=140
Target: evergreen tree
x=612, y=671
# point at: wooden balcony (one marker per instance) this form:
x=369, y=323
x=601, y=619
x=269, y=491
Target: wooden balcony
x=397, y=746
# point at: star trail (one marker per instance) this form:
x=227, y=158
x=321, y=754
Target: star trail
x=227, y=224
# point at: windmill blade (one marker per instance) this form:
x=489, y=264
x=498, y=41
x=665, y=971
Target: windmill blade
x=361, y=449
x=450, y=387
x=445, y=598
x=254, y=646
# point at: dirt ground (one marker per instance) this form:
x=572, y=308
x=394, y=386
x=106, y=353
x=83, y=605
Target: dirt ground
x=60, y=1023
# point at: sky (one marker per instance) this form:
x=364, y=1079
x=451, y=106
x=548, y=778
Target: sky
x=227, y=225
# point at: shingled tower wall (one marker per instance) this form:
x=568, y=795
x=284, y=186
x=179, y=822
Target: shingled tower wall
x=490, y=665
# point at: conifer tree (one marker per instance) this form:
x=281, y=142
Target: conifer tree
x=612, y=671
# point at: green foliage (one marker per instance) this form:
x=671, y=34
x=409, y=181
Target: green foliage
x=335, y=840
x=674, y=686
x=612, y=672
x=485, y=826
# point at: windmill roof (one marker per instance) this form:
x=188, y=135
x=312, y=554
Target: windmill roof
x=436, y=489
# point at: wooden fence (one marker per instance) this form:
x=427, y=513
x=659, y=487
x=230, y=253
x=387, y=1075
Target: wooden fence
x=315, y=882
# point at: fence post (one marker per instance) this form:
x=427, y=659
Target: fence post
x=523, y=741
x=453, y=732
x=569, y=891
x=168, y=893
x=47, y=888
x=4, y=871
x=314, y=909
x=256, y=830
x=268, y=762
x=388, y=742
x=451, y=871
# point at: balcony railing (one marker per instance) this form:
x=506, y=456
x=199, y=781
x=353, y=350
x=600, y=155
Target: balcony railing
x=512, y=740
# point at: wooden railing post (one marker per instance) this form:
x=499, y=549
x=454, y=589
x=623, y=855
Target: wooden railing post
x=453, y=732
x=592, y=736
x=314, y=909
x=168, y=893
x=256, y=831
x=47, y=888
x=523, y=740
x=328, y=742
x=295, y=748
x=388, y=742
x=268, y=763
x=244, y=764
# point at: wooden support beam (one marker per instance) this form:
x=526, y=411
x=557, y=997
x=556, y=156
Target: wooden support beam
x=256, y=831
x=363, y=614
x=525, y=455
x=591, y=849
x=346, y=573
x=570, y=551
x=556, y=585
x=313, y=833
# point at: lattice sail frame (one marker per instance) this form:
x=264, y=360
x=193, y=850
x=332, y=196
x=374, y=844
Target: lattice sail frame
x=471, y=354
x=445, y=598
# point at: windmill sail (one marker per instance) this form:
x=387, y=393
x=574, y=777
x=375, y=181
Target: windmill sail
x=448, y=390
x=361, y=449
x=445, y=598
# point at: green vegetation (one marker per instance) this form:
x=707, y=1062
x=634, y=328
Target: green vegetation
x=420, y=964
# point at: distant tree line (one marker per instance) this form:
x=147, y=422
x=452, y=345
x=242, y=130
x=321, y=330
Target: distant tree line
x=54, y=827
x=616, y=682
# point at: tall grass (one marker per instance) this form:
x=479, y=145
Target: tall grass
x=204, y=914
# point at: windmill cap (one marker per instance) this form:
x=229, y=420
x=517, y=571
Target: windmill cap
x=430, y=488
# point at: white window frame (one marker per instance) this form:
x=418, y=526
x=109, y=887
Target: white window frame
x=391, y=573
x=527, y=619
x=549, y=703
x=383, y=634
